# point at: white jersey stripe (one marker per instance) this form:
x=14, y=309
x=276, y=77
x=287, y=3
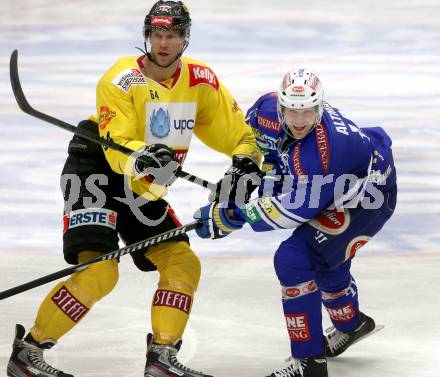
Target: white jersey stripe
x=279, y=205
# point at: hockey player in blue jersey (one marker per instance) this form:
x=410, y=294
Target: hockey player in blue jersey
x=335, y=185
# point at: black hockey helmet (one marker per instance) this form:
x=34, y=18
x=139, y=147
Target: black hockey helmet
x=168, y=15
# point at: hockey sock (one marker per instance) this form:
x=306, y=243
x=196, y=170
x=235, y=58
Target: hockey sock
x=302, y=311
x=301, y=298
x=69, y=301
x=343, y=307
x=179, y=270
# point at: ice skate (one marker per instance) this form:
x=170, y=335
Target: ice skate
x=162, y=361
x=338, y=341
x=307, y=367
x=27, y=358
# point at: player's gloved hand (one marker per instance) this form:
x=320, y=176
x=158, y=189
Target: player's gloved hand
x=215, y=220
x=239, y=181
x=157, y=162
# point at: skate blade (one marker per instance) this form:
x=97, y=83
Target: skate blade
x=330, y=329
x=376, y=330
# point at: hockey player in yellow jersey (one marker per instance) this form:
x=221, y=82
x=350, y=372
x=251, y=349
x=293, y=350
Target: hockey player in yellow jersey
x=167, y=111
x=152, y=104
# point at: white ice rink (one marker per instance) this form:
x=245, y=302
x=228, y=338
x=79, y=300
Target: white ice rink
x=380, y=63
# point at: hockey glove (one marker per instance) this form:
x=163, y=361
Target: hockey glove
x=273, y=179
x=238, y=183
x=158, y=163
x=215, y=220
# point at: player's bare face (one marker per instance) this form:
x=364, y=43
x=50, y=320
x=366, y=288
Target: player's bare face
x=300, y=122
x=166, y=45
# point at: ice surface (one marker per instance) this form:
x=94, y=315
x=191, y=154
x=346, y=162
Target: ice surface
x=380, y=63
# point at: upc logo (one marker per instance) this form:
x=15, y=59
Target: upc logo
x=183, y=124
x=160, y=123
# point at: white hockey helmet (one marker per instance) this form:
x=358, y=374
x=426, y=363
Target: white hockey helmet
x=300, y=89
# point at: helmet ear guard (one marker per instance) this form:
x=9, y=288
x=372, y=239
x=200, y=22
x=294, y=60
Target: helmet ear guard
x=300, y=89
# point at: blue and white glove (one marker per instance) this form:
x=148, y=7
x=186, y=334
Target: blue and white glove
x=215, y=220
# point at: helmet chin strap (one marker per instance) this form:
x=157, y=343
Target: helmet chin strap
x=151, y=58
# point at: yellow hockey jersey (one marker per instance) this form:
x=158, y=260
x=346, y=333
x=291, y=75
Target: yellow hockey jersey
x=135, y=111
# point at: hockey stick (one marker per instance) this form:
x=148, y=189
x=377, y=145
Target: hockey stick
x=112, y=255
x=105, y=142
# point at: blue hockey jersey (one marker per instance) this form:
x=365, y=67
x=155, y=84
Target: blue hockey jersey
x=338, y=165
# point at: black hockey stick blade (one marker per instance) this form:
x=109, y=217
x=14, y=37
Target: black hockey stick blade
x=105, y=142
x=141, y=245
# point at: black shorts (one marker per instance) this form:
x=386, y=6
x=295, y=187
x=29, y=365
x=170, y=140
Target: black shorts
x=93, y=216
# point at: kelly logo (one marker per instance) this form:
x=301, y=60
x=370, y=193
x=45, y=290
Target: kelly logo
x=199, y=74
